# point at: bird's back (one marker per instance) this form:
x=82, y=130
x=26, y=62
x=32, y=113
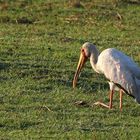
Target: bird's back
x=114, y=56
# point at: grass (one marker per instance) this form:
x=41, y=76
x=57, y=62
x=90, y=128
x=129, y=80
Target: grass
x=39, y=49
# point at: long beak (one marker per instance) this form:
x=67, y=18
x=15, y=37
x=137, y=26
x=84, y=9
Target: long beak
x=81, y=63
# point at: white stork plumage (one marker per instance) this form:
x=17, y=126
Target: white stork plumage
x=121, y=71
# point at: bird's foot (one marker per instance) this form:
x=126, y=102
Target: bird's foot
x=102, y=104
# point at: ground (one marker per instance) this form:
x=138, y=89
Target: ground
x=40, y=45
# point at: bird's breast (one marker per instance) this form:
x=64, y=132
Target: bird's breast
x=113, y=86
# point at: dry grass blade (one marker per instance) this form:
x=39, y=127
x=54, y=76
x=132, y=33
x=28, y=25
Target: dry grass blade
x=119, y=17
x=46, y=107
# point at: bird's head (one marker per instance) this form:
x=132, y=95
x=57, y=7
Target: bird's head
x=86, y=51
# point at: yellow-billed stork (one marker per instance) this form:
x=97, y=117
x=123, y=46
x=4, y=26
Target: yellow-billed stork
x=121, y=71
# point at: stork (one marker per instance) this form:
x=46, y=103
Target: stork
x=121, y=71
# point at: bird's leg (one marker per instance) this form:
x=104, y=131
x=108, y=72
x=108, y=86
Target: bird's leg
x=121, y=93
x=110, y=98
x=110, y=102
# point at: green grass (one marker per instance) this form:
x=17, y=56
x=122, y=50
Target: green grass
x=39, y=50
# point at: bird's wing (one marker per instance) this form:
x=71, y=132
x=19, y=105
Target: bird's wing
x=114, y=66
x=130, y=64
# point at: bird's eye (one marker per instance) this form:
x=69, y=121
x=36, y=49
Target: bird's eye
x=82, y=50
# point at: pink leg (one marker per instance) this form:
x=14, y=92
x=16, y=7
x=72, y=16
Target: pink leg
x=121, y=93
x=111, y=98
x=110, y=102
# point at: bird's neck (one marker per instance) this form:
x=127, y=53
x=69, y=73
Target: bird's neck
x=93, y=61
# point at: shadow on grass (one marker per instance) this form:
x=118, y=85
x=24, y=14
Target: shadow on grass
x=4, y=66
x=100, y=127
x=135, y=112
x=27, y=124
x=24, y=125
x=40, y=89
x=2, y=79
